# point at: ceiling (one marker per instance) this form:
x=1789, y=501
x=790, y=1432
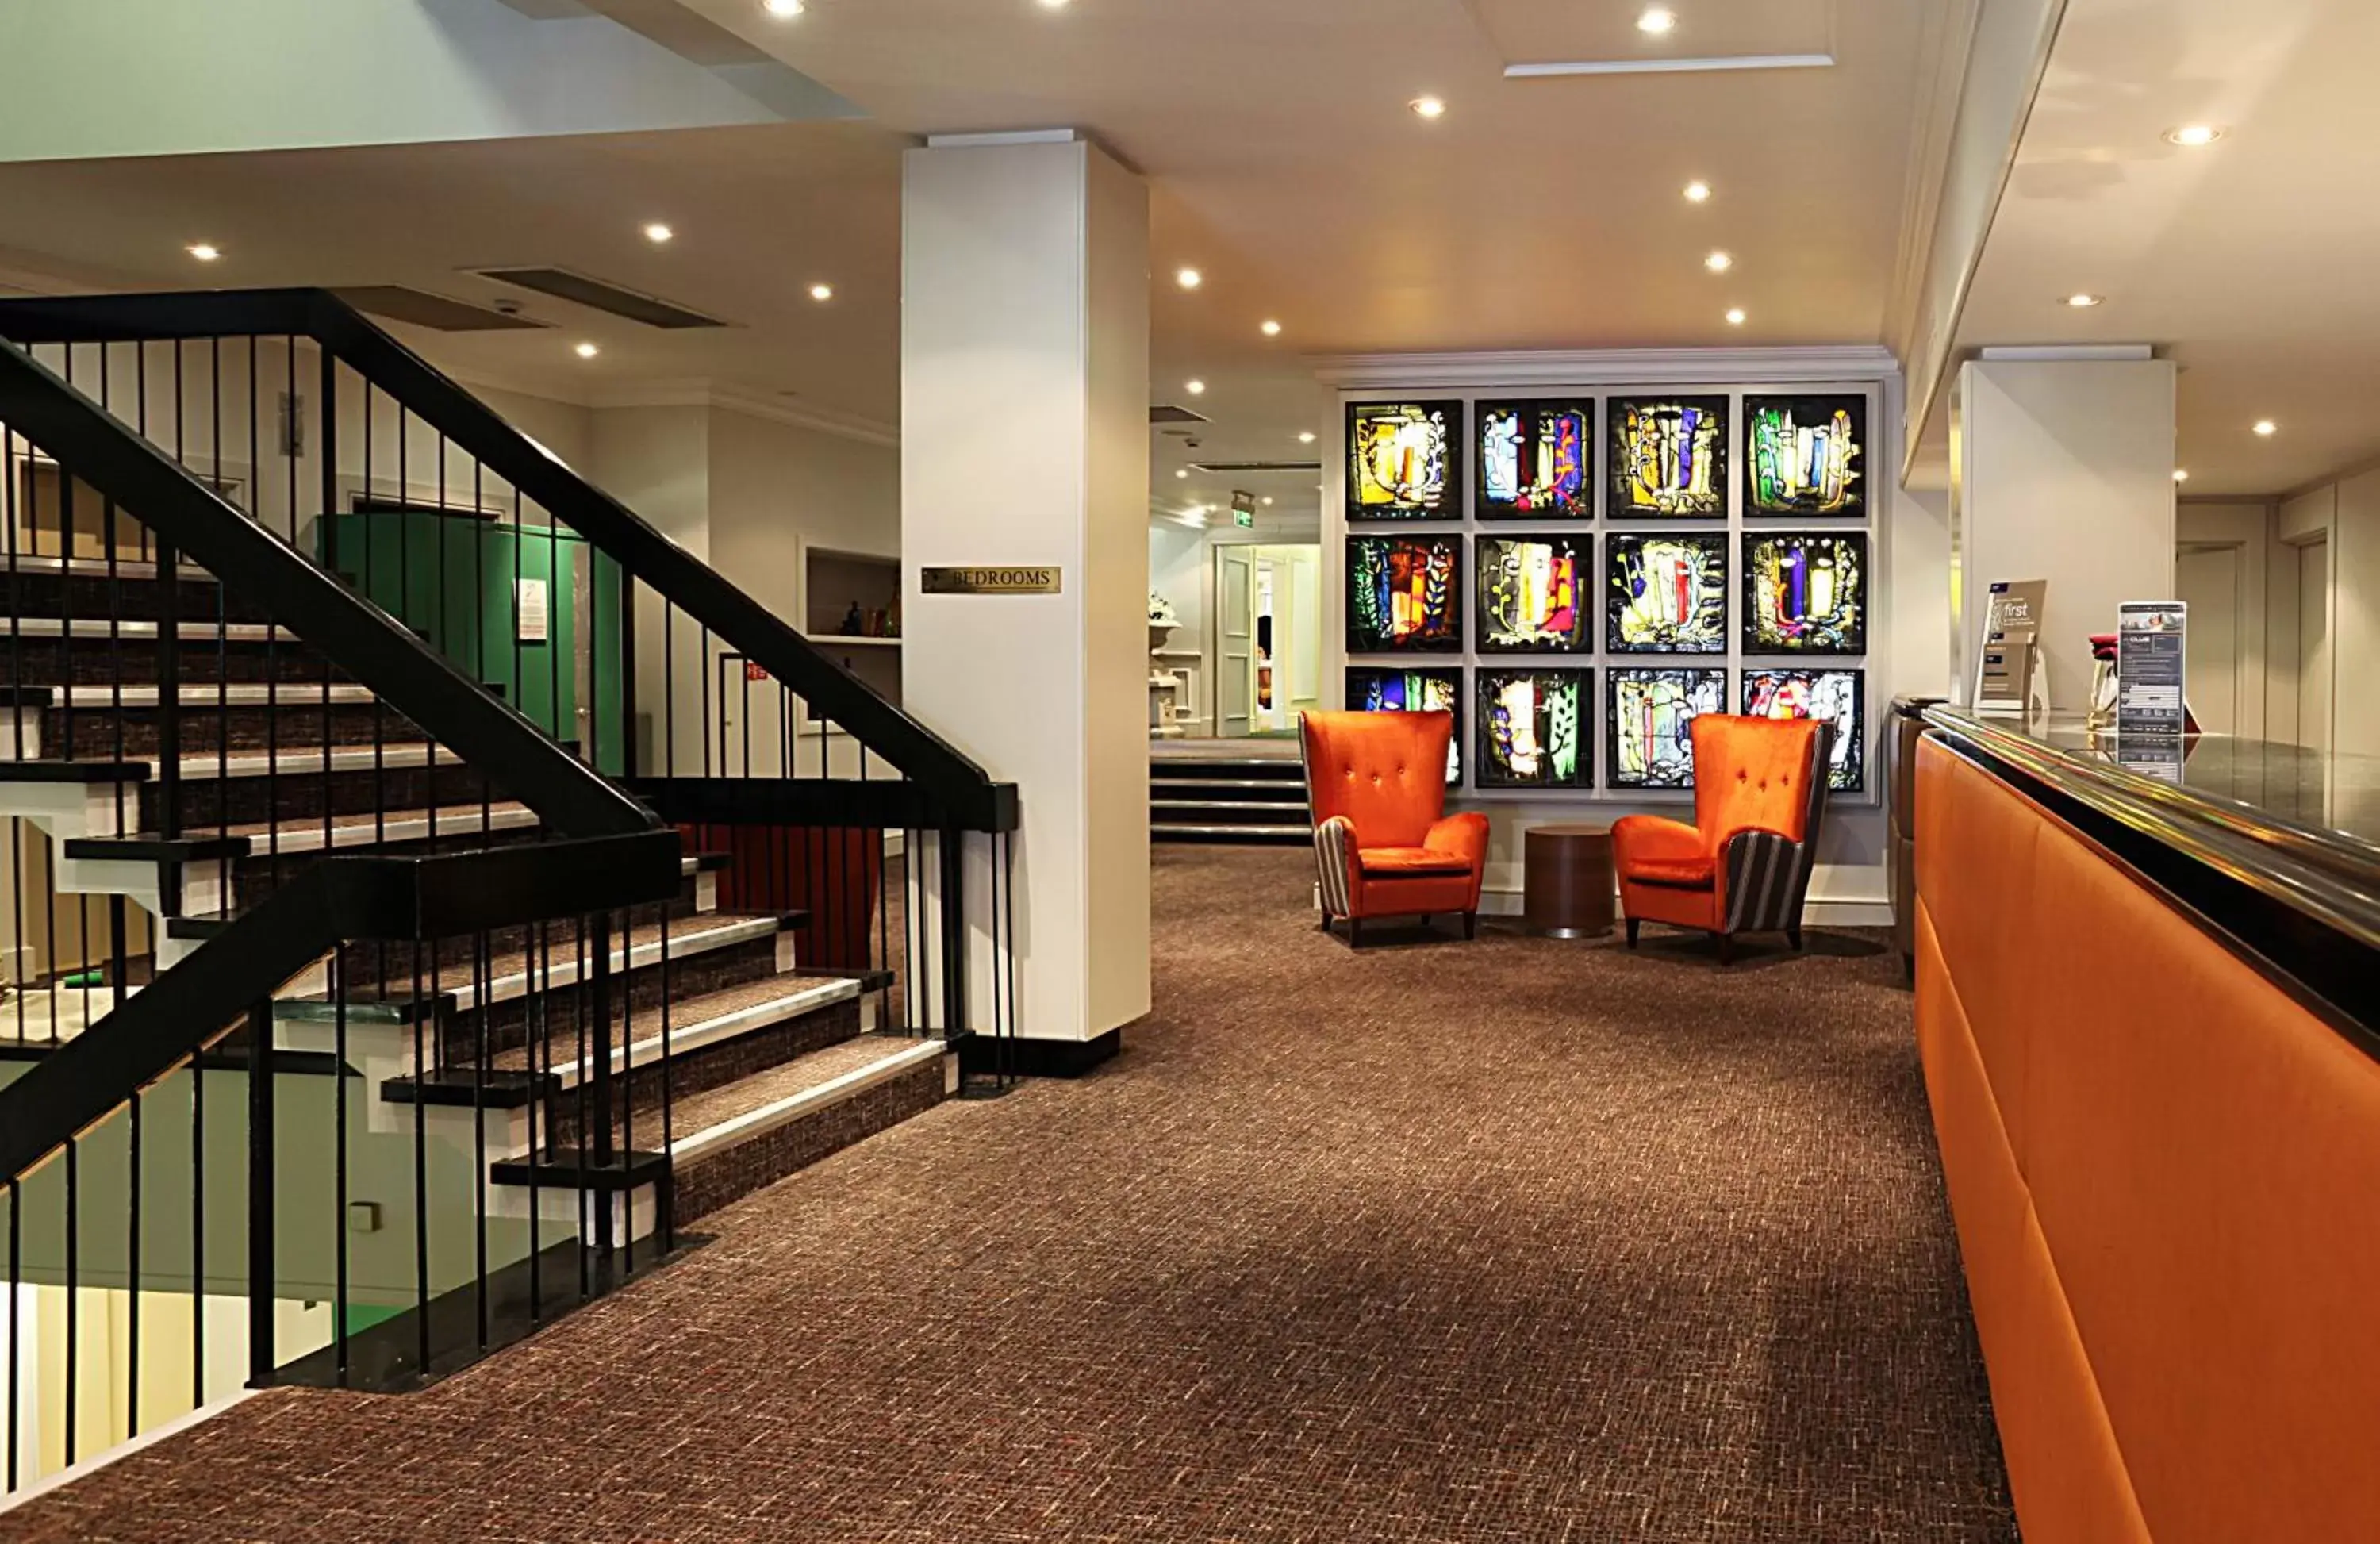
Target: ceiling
x=2247, y=262
x=1283, y=164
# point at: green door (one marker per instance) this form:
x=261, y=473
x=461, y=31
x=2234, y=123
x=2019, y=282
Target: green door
x=475, y=588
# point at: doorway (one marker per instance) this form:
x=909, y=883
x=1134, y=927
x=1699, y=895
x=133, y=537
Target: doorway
x=2208, y=579
x=1267, y=639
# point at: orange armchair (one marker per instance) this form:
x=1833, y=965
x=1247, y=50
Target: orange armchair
x=1743, y=865
x=1383, y=844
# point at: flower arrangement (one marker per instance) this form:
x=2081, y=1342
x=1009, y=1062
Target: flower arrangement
x=1160, y=612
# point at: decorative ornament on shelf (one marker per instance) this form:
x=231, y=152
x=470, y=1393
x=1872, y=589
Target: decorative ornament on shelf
x=1164, y=686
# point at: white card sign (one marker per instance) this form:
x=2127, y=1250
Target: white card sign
x=534, y=621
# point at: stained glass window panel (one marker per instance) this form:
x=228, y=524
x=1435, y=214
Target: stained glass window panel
x=1405, y=593
x=1537, y=460
x=1403, y=460
x=1669, y=457
x=1533, y=729
x=1805, y=593
x=1665, y=594
x=1532, y=594
x=1652, y=745
x=1836, y=696
x=1803, y=455
x=1403, y=691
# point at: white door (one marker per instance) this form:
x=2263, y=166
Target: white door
x=2207, y=579
x=1235, y=641
x=2313, y=644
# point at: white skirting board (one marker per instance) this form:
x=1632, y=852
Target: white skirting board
x=1818, y=912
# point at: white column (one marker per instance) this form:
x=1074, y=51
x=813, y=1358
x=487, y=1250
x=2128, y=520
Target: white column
x=2061, y=470
x=1024, y=441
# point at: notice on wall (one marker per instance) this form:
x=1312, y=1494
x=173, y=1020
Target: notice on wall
x=2149, y=663
x=2008, y=673
x=532, y=620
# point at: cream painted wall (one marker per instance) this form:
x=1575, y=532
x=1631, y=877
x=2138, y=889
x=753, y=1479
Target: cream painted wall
x=2064, y=472
x=563, y=428
x=777, y=488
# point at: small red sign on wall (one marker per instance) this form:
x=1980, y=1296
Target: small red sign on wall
x=753, y=671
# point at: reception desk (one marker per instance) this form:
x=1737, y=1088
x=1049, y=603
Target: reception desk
x=2148, y=1004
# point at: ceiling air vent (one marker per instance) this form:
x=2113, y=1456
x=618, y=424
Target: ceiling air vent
x=1168, y=413
x=1256, y=465
x=418, y=308
x=595, y=295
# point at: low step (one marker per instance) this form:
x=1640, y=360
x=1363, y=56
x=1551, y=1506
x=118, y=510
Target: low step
x=192, y=694
x=1280, y=808
x=1286, y=835
x=734, y=1140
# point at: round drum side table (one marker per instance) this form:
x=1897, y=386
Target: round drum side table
x=1567, y=883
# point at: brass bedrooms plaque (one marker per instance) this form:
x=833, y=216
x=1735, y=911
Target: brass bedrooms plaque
x=1034, y=580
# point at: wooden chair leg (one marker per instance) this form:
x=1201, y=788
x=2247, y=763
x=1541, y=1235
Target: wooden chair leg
x=1471, y=924
x=1632, y=925
x=1793, y=935
x=1354, y=933
x=1726, y=948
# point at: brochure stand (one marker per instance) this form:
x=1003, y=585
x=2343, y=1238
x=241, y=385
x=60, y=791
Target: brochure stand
x=2009, y=681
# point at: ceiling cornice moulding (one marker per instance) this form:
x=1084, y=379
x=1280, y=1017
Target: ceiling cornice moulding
x=1607, y=367
x=754, y=405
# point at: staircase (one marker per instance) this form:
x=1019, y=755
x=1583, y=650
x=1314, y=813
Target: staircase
x=404, y=978
x=1228, y=791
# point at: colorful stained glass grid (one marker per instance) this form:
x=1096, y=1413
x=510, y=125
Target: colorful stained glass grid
x=1804, y=455
x=1403, y=691
x=1537, y=459
x=1534, y=729
x=1805, y=592
x=1650, y=743
x=1532, y=594
x=1405, y=594
x=1665, y=594
x=1836, y=696
x=1404, y=461
x=1669, y=457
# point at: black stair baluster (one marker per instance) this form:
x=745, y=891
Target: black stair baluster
x=337, y=980
x=263, y=1159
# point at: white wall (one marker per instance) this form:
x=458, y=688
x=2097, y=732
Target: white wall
x=776, y=488
x=2063, y=471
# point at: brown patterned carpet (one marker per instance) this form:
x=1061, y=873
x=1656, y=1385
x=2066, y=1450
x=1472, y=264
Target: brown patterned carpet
x=1506, y=1241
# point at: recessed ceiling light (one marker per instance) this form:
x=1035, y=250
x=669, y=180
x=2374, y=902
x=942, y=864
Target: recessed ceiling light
x=205, y=251
x=587, y=351
x=1189, y=278
x=2083, y=302
x=1656, y=20
x=1306, y=438
x=1735, y=316
x=2193, y=135
x=1719, y=262
x=1195, y=388
x=2182, y=474
x=1697, y=193
x=1182, y=471
x=1268, y=501
x=822, y=292
x=659, y=234
x=1269, y=329
x=784, y=11
x=1427, y=108
x=1053, y=5
x=2267, y=428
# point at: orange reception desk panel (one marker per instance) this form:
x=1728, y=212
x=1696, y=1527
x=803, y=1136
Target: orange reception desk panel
x=2166, y=1176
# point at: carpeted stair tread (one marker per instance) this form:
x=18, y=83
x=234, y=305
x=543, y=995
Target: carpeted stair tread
x=687, y=1014
x=694, y=1114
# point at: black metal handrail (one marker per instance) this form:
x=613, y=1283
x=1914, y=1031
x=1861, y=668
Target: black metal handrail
x=189, y=517
x=198, y=1001
x=964, y=794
